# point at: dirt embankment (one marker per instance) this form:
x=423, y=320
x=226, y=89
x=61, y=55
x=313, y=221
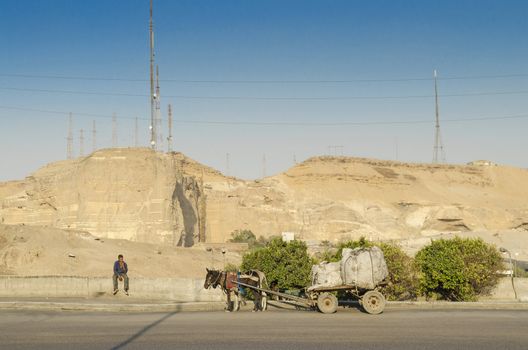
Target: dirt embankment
x=38, y=251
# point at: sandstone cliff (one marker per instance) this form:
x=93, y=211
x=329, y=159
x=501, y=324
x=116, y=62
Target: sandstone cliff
x=141, y=195
x=134, y=194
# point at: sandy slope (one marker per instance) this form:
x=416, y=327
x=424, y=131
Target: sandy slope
x=26, y=250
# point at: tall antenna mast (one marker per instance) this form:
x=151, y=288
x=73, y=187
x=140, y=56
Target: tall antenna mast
x=94, y=134
x=69, y=146
x=114, y=130
x=169, y=139
x=153, y=135
x=438, y=147
x=158, y=112
x=81, y=142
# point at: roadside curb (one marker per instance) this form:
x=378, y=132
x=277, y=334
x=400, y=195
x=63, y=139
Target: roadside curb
x=219, y=306
x=109, y=307
x=446, y=305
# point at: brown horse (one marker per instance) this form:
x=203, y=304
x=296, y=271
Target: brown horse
x=225, y=280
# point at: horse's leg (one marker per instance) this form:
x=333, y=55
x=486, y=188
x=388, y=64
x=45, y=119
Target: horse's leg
x=228, y=306
x=256, y=298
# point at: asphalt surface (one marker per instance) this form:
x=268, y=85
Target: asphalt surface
x=347, y=329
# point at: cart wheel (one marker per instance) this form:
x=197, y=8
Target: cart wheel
x=373, y=302
x=327, y=303
x=263, y=302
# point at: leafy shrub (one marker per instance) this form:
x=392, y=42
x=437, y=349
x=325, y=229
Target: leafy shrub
x=402, y=282
x=458, y=269
x=287, y=263
x=247, y=236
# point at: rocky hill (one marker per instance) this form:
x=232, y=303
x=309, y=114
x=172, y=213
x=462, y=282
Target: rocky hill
x=140, y=195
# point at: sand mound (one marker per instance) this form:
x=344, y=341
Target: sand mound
x=38, y=251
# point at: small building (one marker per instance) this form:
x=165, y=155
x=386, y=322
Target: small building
x=482, y=163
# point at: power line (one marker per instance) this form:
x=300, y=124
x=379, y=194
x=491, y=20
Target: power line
x=280, y=123
x=235, y=81
x=274, y=98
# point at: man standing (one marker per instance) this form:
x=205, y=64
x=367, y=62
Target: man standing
x=120, y=271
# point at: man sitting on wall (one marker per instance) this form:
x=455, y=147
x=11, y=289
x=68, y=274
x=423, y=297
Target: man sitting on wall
x=120, y=271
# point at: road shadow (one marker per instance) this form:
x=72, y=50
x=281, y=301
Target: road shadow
x=145, y=329
x=352, y=304
x=288, y=305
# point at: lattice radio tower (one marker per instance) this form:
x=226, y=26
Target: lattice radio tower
x=69, y=146
x=169, y=120
x=94, y=135
x=153, y=134
x=81, y=142
x=158, y=113
x=438, y=149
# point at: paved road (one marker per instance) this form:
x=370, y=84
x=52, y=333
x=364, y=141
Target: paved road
x=347, y=329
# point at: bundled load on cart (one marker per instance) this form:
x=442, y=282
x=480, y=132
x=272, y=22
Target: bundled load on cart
x=363, y=268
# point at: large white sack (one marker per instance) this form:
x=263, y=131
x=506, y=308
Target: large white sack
x=363, y=267
x=326, y=274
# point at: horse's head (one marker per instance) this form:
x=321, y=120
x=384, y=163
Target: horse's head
x=211, y=279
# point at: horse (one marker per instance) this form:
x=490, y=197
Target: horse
x=224, y=280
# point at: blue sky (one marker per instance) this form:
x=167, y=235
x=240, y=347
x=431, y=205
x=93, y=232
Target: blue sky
x=280, y=49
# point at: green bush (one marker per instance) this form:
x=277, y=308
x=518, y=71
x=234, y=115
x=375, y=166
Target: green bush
x=287, y=263
x=247, y=236
x=402, y=282
x=458, y=269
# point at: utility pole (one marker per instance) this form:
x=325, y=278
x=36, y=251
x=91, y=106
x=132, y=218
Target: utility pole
x=153, y=136
x=158, y=112
x=69, y=146
x=94, y=134
x=294, y=159
x=438, y=147
x=169, y=139
x=81, y=143
x=114, y=130
x=136, y=133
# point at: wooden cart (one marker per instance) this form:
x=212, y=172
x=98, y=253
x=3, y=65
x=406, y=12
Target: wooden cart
x=323, y=299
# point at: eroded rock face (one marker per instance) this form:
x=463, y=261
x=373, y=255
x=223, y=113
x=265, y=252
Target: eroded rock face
x=120, y=193
x=141, y=195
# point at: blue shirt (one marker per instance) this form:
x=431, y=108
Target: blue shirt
x=118, y=270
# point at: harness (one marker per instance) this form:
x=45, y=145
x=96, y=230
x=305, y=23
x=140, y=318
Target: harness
x=215, y=283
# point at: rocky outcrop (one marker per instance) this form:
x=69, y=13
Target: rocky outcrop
x=134, y=194
x=141, y=195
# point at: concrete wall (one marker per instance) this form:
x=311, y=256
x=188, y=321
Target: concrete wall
x=505, y=291
x=171, y=289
